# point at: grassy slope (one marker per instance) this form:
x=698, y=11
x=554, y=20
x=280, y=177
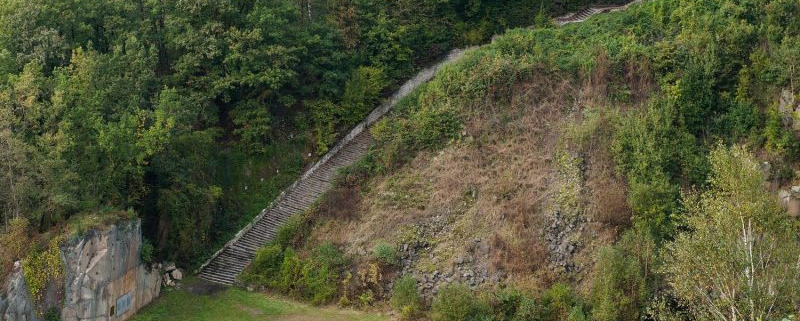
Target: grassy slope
x=235, y=304
x=502, y=179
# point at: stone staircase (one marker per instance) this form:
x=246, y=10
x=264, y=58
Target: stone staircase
x=225, y=265
x=587, y=12
x=234, y=257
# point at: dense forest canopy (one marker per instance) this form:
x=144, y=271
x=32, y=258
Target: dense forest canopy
x=154, y=106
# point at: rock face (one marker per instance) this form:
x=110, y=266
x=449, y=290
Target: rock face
x=791, y=200
x=105, y=278
x=15, y=303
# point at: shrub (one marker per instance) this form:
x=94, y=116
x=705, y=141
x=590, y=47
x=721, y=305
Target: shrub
x=454, y=302
x=619, y=286
x=15, y=243
x=291, y=270
x=406, y=298
x=318, y=283
x=506, y=303
x=432, y=126
x=147, y=251
x=266, y=266
x=779, y=140
x=290, y=231
x=328, y=255
x=53, y=314
x=366, y=298
x=528, y=310
x=578, y=314
x=558, y=301
x=385, y=254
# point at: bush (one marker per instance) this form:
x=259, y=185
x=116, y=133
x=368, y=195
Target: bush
x=618, y=291
x=318, y=283
x=328, y=255
x=266, y=266
x=290, y=231
x=147, y=251
x=406, y=298
x=53, y=314
x=454, y=302
x=291, y=270
x=385, y=254
x=315, y=279
x=559, y=301
x=366, y=298
x=15, y=243
x=506, y=303
x=779, y=140
x=528, y=310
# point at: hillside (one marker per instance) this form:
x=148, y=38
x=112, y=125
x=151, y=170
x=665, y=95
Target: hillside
x=602, y=170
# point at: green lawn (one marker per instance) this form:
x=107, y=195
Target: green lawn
x=236, y=304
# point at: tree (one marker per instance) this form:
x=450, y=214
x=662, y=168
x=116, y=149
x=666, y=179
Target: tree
x=739, y=258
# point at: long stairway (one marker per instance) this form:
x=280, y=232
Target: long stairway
x=236, y=256
x=587, y=12
x=225, y=265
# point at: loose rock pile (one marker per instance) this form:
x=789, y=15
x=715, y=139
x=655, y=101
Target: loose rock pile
x=171, y=274
x=563, y=241
x=470, y=268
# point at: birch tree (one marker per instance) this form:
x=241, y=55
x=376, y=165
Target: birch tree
x=739, y=259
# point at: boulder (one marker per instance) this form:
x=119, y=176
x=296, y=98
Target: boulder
x=176, y=274
x=169, y=267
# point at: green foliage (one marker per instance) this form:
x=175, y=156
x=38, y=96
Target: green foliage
x=290, y=231
x=618, y=291
x=327, y=254
x=53, y=314
x=290, y=272
x=43, y=267
x=385, y=254
x=528, y=310
x=147, y=254
x=731, y=227
x=365, y=299
x=406, y=298
x=455, y=302
x=779, y=140
x=559, y=302
x=266, y=265
x=315, y=279
x=362, y=93
x=651, y=152
x=319, y=282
